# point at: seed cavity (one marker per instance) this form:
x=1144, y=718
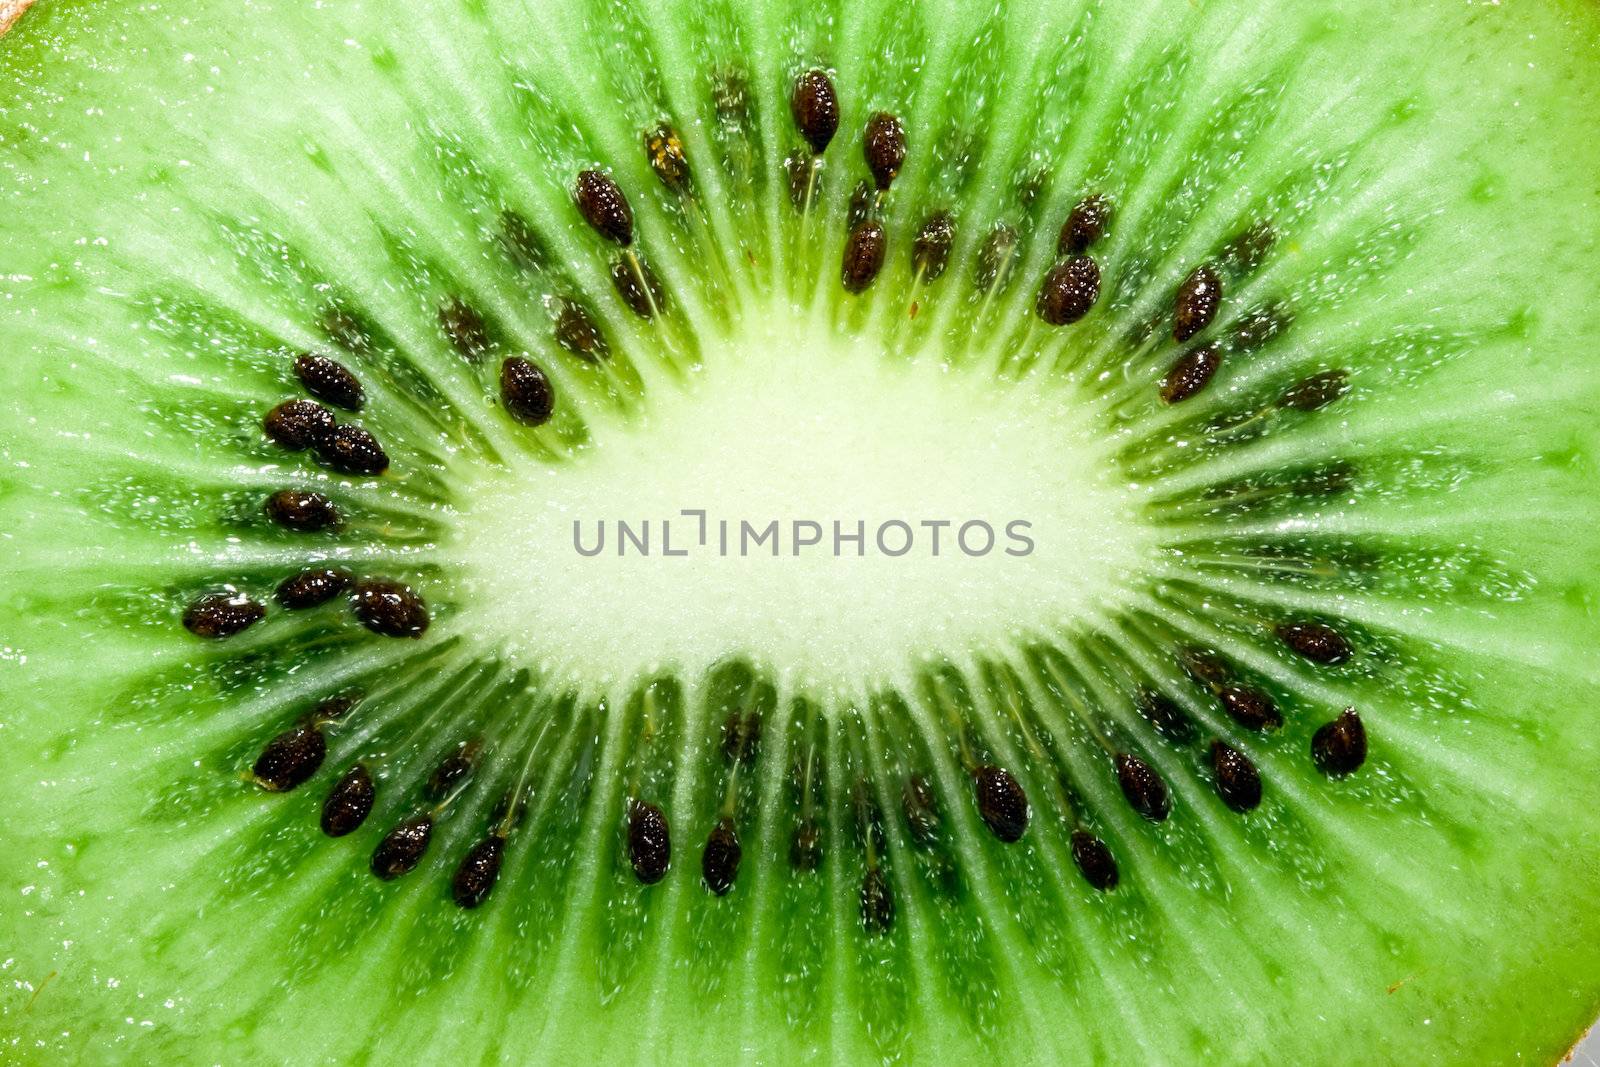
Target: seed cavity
x=403, y=847
x=349, y=802
x=1260, y=326
x=863, y=255
x=297, y=509
x=1086, y=224
x=1196, y=303
x=884, y=147
x=1143, y=787
x=604, y=207
x=921, y=808
x=1001, y=802
x=1069, y=290
x=1315, y=641
x=1245, y=253
x=664, y=149
x=862, y=203
x=345, y=328
x=578, y=333
x=451, y=773
x=1316, y=392
x=290, y=758
x=649, y=842
x=464, y=327
x=930, y=252
x=798, y=170
x=1250, y=707
x=389, y=608
x=1191, y=373
x=719, y=863
x=350, y=449
x=1340, y=747
x=805, y=848
x=998, y=252
x=526, y=392
x=312, y=586
x=1166, y=716
x=741, y=738
x=644, y=298
x=478, y=871
x=815, y=106
x=298, y=424
x=218, y=615
x=1238, y=781
x=1094, y=860
x=330, y=381
x=524, y=244
x=877, y=902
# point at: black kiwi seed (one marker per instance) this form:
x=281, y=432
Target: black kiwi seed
x=465, y=328
x=451, y=772
x=1094, y=860
x=1088, y=221
x=578, y=333
x=884, y=146
x=1317, y=642
x=921, y=810
x=805, y=848
x=218, y=615
x=649, y=842
x=1340, y=746
x=290, y=758
x=1146, y=792
x=479, y=869
x=603, y=206
x=1196, y=303
x=402, y=848
x=815, y=106
x=877, y=902
x=297, y=509
x=1316, y=392
x=1205, y=665
x=1190, y=373
x=1250, y=707
x=1165, y=715
x=719, y=863
x=334, y=708
x=1069, y=290
x=389, y=608
x=930, y=252
x=1001, y=802
x=868, y=816
x=329, y=380
x=863, y=255
x=298, y=424
x=350, y=449
x=1238, y=781
x=526, y=391
x=349, y=802
x=995, y=256
x=730, y=96
x=312, y=586
x=643, y=300
x=665, y=151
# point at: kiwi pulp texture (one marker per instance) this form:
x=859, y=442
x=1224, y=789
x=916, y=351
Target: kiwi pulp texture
x=322, y=326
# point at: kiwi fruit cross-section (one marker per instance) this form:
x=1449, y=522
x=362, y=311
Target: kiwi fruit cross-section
x=799, y=531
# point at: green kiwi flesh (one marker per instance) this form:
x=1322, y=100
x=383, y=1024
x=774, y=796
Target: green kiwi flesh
x=329, y=333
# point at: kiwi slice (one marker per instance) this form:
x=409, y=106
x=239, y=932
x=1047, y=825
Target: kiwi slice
x=579, y=531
